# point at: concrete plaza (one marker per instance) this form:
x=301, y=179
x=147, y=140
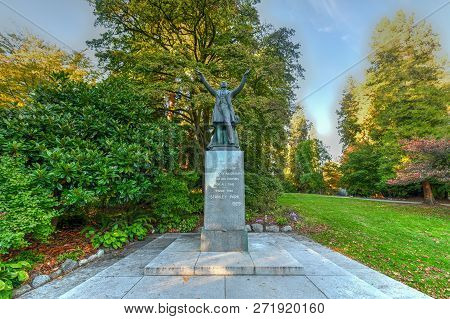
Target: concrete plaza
x=276, y=266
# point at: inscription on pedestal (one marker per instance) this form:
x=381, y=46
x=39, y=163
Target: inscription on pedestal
x=224, y=191
x=224, y=222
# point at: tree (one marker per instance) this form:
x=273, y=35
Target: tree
x=360, y=170
x=160, y=43
x=331, y=177
x=348, y=126
x=404, y=81
x=27, y=61
x=299, y=130
x=407, y=94
x=310, y=156
x=427, y=162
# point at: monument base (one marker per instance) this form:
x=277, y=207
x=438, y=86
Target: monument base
x=222, y=241
x=224, y=214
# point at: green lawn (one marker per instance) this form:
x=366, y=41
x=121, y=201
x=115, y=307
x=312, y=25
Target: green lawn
x=407, y=242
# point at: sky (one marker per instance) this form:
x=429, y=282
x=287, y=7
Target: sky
x=334, y=36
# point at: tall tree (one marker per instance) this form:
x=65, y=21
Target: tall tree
x=27, y=61
x=348, y=126
x=331, y=177
x=404, y=81
x=311, y=155
x=407, y=89
x=159, y=43
x=299, y=130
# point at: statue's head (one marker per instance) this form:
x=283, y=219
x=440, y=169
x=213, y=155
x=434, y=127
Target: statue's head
x=223, y=85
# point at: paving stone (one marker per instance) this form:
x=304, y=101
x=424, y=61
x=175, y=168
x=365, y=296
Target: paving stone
x=271, y=260
x=224, y=263
x=159, y=244
x=185, y=243
x=172, y=263
x=170, y=235
x=178, y=287
x=61, y=285
x=335, y=275
x=315, y=264
x=339, y=259
x=346, y=287
x=131, y=266
x=248, y=228
x=271, y=287
x=102, y=288
x=273, y=229
x=286, y=242
x=40, y=280
x=257, y=228
x=388, y=285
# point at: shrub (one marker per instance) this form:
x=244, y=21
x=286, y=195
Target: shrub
x=92, y=146
x=26, y=209
x=175, y=202
x=188, y=224
x=12, y=274
x=30, y=256
x=117, y=234
x=261, y=192
x=281, y=220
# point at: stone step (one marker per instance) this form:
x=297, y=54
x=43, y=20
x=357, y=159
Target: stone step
x=326, y=261
x=183, y=257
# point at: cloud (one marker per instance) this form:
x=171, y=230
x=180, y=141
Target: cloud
x=327, y=6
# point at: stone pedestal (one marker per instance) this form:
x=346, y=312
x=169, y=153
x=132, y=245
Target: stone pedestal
x=224, y=228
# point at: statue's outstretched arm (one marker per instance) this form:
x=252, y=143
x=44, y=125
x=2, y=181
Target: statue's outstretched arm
x=241, y=85
x=205, y=83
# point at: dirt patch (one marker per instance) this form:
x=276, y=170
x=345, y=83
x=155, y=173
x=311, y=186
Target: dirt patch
x=62, y=241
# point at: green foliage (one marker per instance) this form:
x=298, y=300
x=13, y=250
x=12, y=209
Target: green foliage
x=30, y=256
x=310, y=156
x=223, y=38
x=405, y=97
x=348, y=126
x=117, y=234
x=331, y=177
x=74, y=255
x=178, y=223
x=12, y=274
x=360, y=171
x=305, y=158
x=91, y=145
x=404, y=81
x=249, y=215
x=188, y=224
x=281, y=220
x=26, y=208
x=175, y=201
x=261, y=192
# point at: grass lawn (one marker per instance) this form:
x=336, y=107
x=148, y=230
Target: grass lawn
x=409, y=243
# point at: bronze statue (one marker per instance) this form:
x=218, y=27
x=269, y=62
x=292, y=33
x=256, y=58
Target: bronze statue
x=224, y=118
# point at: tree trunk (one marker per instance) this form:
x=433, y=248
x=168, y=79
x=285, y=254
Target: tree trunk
x=427, y=193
